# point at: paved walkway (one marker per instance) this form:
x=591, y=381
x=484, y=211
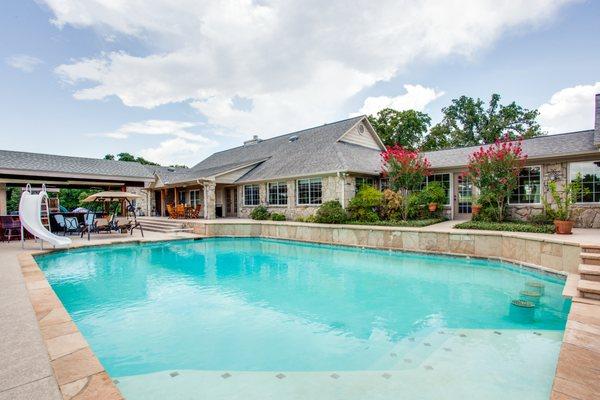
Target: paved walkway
x=25, y=371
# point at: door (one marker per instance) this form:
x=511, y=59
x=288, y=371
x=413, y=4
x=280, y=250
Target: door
x=231, y=207
x=464, y=197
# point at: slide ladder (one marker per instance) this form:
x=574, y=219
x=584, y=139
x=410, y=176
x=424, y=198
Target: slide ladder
x=34, y=214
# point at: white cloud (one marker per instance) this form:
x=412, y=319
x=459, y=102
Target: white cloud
x=183, y=146
x=297, y=62
x=417, y=97
x=23, y=62
x=569, y=109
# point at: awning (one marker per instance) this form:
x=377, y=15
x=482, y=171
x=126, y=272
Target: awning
x=112, y=196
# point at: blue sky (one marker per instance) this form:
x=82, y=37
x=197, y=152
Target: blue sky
x=174, y=81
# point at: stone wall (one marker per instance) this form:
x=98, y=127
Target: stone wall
x=584, y=215
x=332, y=186
x=551, y=254
x=143, y=204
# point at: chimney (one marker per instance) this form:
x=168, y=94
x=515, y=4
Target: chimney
x=597, y=121
x=252, y=141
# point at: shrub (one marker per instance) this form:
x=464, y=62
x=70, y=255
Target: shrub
x=390, y=205
x=541, y=219
x=331, y=212
x=364, y=206
x=260, y=213
x=563, y=201
x=433, y=193
x=277, y=217
x=495, y=171
x=506, y=226
x=405, y=170
x=310, y=218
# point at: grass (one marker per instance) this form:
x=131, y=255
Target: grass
x=418, y=223
x=508, y=226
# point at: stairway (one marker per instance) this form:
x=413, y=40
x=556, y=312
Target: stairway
x=589, y=272
x=163, y=225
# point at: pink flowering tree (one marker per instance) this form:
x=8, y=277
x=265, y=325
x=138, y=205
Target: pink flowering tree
x=405, y=170
x=495, y=170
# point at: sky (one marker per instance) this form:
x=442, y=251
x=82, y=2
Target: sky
x=176, y=80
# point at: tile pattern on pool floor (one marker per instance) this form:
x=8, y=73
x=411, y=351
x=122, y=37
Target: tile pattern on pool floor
x=432, y=373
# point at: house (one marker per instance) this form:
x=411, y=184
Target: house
x=295, y=173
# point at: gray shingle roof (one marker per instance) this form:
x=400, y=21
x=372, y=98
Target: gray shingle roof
x=315, y=150
x=68, y=166
x=535, y=148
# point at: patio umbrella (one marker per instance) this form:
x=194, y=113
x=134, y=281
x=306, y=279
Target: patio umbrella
x=112, y=196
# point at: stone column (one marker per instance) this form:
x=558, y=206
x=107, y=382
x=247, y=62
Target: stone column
x=209, y=200
x=3, y=199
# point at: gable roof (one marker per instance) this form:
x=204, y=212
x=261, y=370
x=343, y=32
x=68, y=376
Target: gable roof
x=23, y=163
x=309, y=152
x=561, y=145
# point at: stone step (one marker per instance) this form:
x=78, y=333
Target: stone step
x=161, y=224
x=570, y=288
x=590, y=258
x=589, y=272
x=166, y=230
x=589, y=289
x=590, y=248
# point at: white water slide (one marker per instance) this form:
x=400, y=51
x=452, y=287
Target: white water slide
x=30, y=214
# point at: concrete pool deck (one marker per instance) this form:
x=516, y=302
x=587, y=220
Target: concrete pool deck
x=26, y=368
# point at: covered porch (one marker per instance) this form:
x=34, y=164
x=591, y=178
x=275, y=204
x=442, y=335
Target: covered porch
x=203, y=199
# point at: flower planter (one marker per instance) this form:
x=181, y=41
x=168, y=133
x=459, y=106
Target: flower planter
x=475, y=209
x=563, y=227
x=432, y=207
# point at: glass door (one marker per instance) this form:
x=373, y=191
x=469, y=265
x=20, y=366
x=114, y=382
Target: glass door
x=464, y=195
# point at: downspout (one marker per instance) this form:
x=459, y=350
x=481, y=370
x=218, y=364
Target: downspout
x=343, y=194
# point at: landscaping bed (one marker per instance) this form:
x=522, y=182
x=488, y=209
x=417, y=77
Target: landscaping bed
x=419, y=223
x=508, y=226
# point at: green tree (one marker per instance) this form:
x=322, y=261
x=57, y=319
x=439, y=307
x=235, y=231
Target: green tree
x=405, y=128
x=467, y=122
x=129, y=157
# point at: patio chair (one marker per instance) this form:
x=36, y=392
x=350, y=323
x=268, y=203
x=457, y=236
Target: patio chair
x=9, y=227
x=89, y=224
x=196, y=212
x=66, y=224
x=171, y=211
x=180, y=210
x=112, y=224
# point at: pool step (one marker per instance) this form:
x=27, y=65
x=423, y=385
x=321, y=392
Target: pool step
x=163, y=225
x=590, y=248
x=590, y=258
x=589, y=272
x=589, y=289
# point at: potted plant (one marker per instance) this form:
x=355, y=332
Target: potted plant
x=560, y=210
x=433, y=195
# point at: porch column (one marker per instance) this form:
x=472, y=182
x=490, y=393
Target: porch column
x=209, y=200
x=175, y=197
x=3, y=199
x=163, y=202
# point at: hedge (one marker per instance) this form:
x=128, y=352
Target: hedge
x=506, y=226
x=416, y=223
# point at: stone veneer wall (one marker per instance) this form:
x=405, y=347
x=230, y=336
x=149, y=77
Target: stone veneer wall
x=584, y=215
x=554, y=255
x=332, y=186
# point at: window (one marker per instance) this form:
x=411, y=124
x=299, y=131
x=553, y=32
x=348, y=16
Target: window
x=195, y=198
x=362, y=181
x=442, y=179
x=181, y=197
x=589, y=172
x=528, y=189
x=384, y=183
x=310, y=191
x=278, y=193
x=251, y=195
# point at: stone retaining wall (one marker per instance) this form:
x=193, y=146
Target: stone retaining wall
x=549, y=254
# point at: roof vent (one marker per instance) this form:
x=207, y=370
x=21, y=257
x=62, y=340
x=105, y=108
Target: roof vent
x=255, y=139
x=171, y=169
x=293, y=138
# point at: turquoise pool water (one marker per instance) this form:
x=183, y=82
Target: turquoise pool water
x=176, y=315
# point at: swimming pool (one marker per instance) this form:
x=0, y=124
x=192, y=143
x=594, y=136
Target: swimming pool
x=261, y=318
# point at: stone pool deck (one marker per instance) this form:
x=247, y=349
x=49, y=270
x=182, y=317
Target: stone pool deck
x=37, y=361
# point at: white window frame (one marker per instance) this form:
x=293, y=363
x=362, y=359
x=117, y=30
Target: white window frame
x=309, y=196
x=246, y=198
x=195, y=194
x=450, y=182
x=570, y=177
x=278, y=204
x=510, y=203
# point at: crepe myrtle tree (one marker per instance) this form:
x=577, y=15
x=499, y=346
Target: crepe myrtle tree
x=495, y=170
x=405, y=170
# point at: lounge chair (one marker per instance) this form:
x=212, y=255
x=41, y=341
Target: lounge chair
x=111, y=225
x=89, y=224
x=9, y=227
